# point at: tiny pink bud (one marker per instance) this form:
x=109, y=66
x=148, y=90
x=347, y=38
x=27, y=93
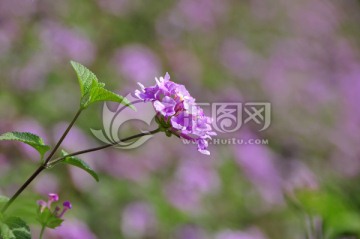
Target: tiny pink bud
x=56, y=211
x=42, y=205
x=53, y=197
x=67, y=204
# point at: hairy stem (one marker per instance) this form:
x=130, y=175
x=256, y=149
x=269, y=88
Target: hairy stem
x=57, y=160
x=62, y=138
x=19, y=191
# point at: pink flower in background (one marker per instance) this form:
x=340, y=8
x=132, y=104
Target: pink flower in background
x=199, y=175
x=185, y=63
x=32, y=75
x=252, y=233
x=194, y=179
x=201, y=14
x=71, y=229
x=137, y=165
x=240, y=60
x=345, y=136
x=8, y=33
x=18, y=8
x=314, y=18
x=183, y=197
x=46, y=183
x=66, y=43
x=4, y=165
x=138, y=220
x=258, y=164
x=117, y=7
x=137, y=63
x=264, y=10
x=298, y=176
x=191, y=232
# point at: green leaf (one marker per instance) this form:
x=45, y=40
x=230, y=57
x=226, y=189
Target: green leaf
x=14, y=228
x=54, y=222
x=5, y=232
x=85, y=77
x=339, y=216
x=92, y=90
x=102, y=94
x=80, y=164
x=28, y=138
x=48, y=219
x=3, y=200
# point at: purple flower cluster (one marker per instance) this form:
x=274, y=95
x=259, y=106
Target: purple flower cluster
x=177, y=112
x=53, y=197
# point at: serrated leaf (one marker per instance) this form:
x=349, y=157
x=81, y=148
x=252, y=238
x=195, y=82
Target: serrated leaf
x=54, y=222
x=85, y=77
x=92, y=90
x=14, y=228
x=5, y=232
x=28, y=138
x=80, y=164
x=102, y=94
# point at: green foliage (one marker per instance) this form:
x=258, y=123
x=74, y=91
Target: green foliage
x=14, y=228
x=92, y=90
x=338, y=215
x=28, y=138
x=74, y=161
x=49, y=219
x=3, y=200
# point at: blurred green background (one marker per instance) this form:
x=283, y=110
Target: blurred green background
x=302, y=56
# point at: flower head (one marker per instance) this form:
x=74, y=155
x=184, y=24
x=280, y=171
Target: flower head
x=67, y=205
x=47, y=206
x=177, y=112
x=53, y=197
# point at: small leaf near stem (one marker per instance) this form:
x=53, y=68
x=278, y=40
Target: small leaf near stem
x=74, y=161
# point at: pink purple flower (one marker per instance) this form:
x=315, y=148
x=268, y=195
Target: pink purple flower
x=53, y=197
x=57, y=212
x=177, y=112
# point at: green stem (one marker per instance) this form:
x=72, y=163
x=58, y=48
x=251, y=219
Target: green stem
x=43, y=166
x=57, y=160
x=19, y=191
x=42, y=231
x=62, y=137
